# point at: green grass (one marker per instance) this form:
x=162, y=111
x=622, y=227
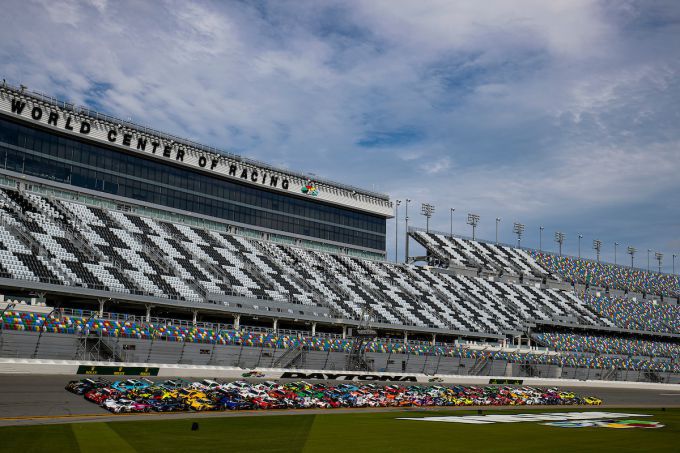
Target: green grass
x=354, y=432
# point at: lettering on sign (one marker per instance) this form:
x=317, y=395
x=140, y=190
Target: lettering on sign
x=347, y=377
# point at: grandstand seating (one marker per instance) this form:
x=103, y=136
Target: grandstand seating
x=498, y=259
x=607, y=345
x=72, y=244
x=637, y=315
x=92, y=247
x=582, y=271
x=492, y=258
x=577, y=353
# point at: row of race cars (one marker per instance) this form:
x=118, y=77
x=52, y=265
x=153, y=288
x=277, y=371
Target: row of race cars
x=143, y=395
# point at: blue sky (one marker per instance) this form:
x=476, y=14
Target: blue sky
x=564, y=114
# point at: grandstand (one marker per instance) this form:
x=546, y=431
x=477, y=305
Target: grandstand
x=108, y=253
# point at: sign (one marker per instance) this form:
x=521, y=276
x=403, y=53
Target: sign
x=140, y=141
x=117, y=370
x=347, y=377
x=515, y=418
x=506, y=381
x=615, y=424
x=310, y=189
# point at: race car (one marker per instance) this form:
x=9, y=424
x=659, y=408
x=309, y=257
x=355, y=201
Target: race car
x=235, y=404
x=125, y=405
x=85, y=385
x=200, y=404
x=167, y=405
x=592, y=401
x=98, y=396
x=131, y=384
x=206, y=384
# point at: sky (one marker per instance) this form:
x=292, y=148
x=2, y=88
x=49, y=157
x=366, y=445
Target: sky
x=563, y=114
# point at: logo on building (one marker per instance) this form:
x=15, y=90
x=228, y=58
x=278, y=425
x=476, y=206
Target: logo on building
x=615, y=424
x=310, y=189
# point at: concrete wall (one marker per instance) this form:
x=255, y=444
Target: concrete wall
x=52, y=346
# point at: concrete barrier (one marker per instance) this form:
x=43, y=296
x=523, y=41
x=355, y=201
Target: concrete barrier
x=70, y=368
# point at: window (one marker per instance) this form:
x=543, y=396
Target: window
x=99, y=168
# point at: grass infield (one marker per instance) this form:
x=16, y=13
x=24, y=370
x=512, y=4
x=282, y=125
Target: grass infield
x=358, y=432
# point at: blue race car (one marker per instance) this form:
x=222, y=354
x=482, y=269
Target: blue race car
x=131, y=384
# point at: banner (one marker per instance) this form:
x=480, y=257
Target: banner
x=506, y=381
x=117, y=370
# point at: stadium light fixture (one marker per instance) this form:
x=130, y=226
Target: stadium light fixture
x=427, y=210
x=498, y=220
x=631, y=252
x=597, y=245
x=659, y=259
x=473, y=220
x=540, y=238
x=616, y=244
x=518, y=229
x=406, y=226
x=396, y=230
x=559, y=238
x=452, y=210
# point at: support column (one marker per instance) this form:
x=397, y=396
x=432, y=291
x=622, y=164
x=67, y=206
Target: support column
x=276, y=323
x=101, y=307
x=148, y=313
x=193, y=320
x=313, y=328
x=237, y=322
x=434, y=339
x=344, y=332
x=405, y=336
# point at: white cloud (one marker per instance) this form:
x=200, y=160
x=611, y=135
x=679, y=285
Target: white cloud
x=534, y=109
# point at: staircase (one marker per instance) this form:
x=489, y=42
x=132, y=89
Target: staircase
x=292, y=357
x=94, y=347
x=356, y=359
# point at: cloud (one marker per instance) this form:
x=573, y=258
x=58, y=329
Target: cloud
x=561, y=113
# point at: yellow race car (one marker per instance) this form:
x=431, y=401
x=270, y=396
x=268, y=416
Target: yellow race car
x=592, y=401
x=188, y=394
x=200, y=404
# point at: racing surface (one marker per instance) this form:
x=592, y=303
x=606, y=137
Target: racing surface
x=41, y=399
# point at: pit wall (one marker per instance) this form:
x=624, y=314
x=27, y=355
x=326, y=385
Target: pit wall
x=116, y=370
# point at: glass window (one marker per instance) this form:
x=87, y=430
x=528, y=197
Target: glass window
x=164, y=184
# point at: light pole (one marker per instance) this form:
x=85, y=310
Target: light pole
x=597, y=245
x=498, y=220
x=615, y=245
x=518, y=229
x=451, y=231
x=674, y=255
x=473, y=220
x=580, y=236
x=648, y=252
x=396, y=230
x=540, y=238
x=559, y=238
x=631, y=252
x=406, y=226
x=659, y=258
x=427, y=210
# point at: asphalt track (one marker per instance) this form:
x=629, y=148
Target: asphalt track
x=40, y=399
